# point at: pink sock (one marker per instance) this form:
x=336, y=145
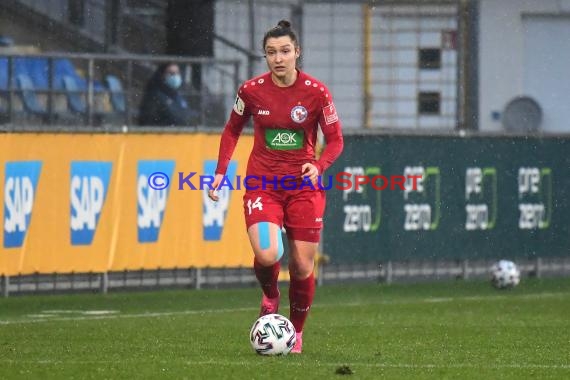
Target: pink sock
x=301, y=293
x=267, y=277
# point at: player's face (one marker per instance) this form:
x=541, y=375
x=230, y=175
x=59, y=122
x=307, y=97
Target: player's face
x=281, y=55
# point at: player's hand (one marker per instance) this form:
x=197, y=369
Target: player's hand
x=213, y=194
x=311, y=171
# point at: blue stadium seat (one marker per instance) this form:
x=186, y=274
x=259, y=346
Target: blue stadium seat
x=27, y=93
x=117, y=94
x=75, y=102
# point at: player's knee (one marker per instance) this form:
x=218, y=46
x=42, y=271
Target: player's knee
x=270, y=248
x=267, y=257
x=301, y=269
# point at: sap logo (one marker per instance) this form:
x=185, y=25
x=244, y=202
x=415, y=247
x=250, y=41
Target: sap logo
x=88, y=190
x=19, y=194
x=215, y=213
x=263, y=112
x=151, y=203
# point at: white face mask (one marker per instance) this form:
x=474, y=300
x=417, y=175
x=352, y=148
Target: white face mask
x=174, y=81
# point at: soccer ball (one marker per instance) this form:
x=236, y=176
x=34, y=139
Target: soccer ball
x=272, y=334
x=505, y=274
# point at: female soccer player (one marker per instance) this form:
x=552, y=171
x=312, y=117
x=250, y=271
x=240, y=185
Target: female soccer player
x=287, y=107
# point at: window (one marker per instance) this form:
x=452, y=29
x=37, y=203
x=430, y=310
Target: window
x=430, y=59
x=429, y=103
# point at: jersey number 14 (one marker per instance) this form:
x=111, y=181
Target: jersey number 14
x=255, y=204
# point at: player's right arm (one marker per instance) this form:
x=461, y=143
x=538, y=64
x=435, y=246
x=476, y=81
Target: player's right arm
x=238, y=118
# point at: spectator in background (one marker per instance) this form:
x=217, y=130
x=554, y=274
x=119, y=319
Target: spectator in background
x=6, y=41
x=162, y=102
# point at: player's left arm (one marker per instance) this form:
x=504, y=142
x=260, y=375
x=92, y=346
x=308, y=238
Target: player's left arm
x=332, y=132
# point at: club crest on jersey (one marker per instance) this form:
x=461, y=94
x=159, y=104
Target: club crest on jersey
x=299, y=114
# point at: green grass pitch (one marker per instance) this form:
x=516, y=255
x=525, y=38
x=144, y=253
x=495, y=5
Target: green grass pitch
x=451, y=330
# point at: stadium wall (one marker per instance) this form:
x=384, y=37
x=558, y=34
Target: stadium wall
x=479, y=197
x=82, y=203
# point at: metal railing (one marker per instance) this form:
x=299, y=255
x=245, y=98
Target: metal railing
x=328, y=273
x=92, y=102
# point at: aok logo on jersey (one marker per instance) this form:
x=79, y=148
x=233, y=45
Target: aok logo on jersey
x=21, y=179
x=151, y=203
x=89, y=185
x=214, y=215
x=284, y=139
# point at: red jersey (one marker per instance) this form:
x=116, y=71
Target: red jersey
x=285, y=123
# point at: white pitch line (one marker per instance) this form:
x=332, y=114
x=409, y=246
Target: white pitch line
x=117, y=316
x=261, y=361
x=232, y=310
x=68, y=311
x=51, y=313
x=398, y=365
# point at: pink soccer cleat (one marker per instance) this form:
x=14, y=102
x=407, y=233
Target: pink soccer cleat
x=298, y=348
x=269, y=305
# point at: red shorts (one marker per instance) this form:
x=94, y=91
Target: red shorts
x=300, y=211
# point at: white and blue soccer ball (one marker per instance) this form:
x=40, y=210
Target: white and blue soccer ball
x=272, y=334
x=505, y=274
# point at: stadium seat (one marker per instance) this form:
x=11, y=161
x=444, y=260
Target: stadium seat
x=27, y=93
x=6, y=41
x=75, y=102
x=117, y=94
x=75, y=93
